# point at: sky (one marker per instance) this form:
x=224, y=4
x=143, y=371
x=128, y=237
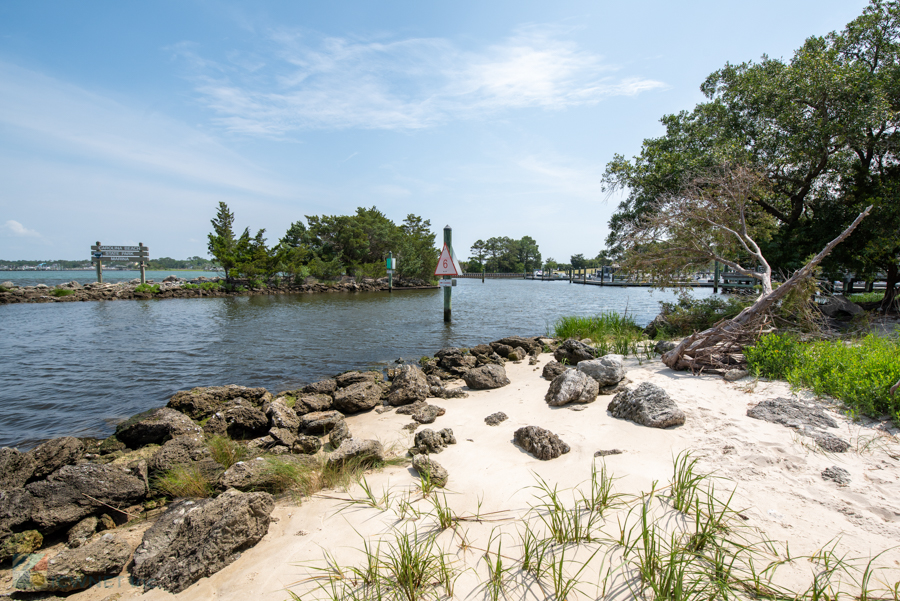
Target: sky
x=127, y=122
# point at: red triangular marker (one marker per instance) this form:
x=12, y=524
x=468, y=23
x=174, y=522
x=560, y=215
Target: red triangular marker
x=446, y=265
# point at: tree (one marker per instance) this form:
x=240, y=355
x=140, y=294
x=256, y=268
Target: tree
x=578, y=261
x=477, y=254
x=418, y=255
x=529, y=253
x=222, y=245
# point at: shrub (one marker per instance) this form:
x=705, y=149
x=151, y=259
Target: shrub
x=859, y=373
x=151, y=288
x=866, y=297
x=688, y=314
x=210, y=285
x=190, y=286
x=4, y=289
x=57, y=292
x=256, y=284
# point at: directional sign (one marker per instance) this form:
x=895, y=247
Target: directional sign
x=447, y=264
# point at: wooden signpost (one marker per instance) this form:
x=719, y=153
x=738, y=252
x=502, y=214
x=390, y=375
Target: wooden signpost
x=447, y=267
x=119, y=254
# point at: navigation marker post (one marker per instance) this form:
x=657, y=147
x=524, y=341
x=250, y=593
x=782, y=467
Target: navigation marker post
x=447, y=267
x=391, y=264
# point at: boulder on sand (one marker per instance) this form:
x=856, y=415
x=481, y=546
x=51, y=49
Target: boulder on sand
x=541, y=443
x=572, y=352
x=607, y=370
x=572, y=386
x=409, y=385
x=357, y=397
x=428, y=441
x=362, y=450
x=486, y=377
x=648, y=405
x=431, y=470
x=76, y=569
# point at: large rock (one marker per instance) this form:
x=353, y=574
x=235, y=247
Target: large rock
x=541, y=443
x=428, y=441
x=409, y=385
x=572, y=386
x=607, y=370
x=431, y=470
x=427, y=414
x=82, y=532
x=495, y=419
x=573, y=352
x=357, y=377
x=486, y=377
x=307, y=445
x=155, y=427
x=359, y=450
x=553, y=369
x=320, y=422
x=531, y=346
x=181, y=450
x=338, y=434
x=260, y=473
x=321, y=387
x=76, y=569
x=840, y=307
x=243, y=420
x=360, y=396
x=282, y=416
x=76, y=491
x=455, y=361
x=16, y=509
x=53, y=454
x=311, y=403
x=648, y=405
x=195, y=539
x=199, y=403
x=20, y=543
x=15, y=468
x=792, y=413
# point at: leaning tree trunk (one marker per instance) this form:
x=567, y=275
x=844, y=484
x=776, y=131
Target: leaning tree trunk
x=710, y=348
x=889, y=302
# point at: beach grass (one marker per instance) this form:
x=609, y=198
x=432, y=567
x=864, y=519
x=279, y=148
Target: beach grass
x=183, y=481
x=608, y=326
x=857, y=372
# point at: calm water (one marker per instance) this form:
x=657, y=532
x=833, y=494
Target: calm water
x=52, y=278
x=78, y=368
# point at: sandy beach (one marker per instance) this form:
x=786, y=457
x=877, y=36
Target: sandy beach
x=781, y=507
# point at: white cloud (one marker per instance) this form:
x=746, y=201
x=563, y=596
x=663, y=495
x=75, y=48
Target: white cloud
x=19, y=230
x=340, y=83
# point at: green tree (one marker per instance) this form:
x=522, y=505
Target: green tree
x=222, y=245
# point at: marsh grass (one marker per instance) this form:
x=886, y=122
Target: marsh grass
x=608, y=325
x=58, y=292
x=183, y=481
x=224, y=451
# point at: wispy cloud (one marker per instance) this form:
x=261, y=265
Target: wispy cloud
x=307, y=82
x=17, y=229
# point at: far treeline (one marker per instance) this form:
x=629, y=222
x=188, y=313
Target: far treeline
x=326, y=247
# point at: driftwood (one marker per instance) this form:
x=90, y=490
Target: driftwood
x=895, y=387
x=721, y=345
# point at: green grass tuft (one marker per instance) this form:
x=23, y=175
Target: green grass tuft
x=183, y=481
x=605, y=326
x=57, y=292
x=225, y=451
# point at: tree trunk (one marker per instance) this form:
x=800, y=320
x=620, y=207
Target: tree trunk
x=890, y=291
x=701, y=350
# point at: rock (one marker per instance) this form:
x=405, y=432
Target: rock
x=494, y=419
x=195, y=539
x=502, y=349
x=572, y=352
x=15, y=468
x=356, y=397
x=155, y=427
x=615, y=388
x=53, y=454
x=409, y=385
x=321, y=387
x=283, y=437
x=529, y=345
x=541, y=443
x=648, y=405
x=486, y=377
x=840, y=307
x=82, y=532
x=252, y=474
x=733, y=375
x=431, y=470
x=664, y=346
x=828, y=442
x=181, y=450
x=75, y=491
x=481, y=349
x=427, y=414
x=837, y=474
x=216, y=426
x=244, y=421
x=658, y=324
x=311, y=403
x=339, y=434
x=199, y=403
x=428, y=441
x=572, y=386
x=306, y=445
x=607, y=453
x=357, y=377
x=320, y=422
x=20, y=543
x=553, y=369
x=16, y=509
x=792, y=413
x=282, y=416
x=411, y=408
x=111, y=445
x=607, y=370
x=455, y=361
x=170, y=278
x=361, y=450
x=76, y=569
x=516, y=355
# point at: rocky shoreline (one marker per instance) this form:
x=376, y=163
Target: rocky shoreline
x=175, y=287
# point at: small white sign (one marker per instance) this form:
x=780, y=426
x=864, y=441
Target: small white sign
x=446, y=283
x=390, y=271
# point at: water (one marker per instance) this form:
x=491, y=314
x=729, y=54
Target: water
x=52, y=278
x=78, y=368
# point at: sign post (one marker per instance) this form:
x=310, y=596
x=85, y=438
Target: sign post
x=125, y=254
x=447, y=267
x=391, y=266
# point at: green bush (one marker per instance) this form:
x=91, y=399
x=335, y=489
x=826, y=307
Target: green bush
x=3, y=289
x=688, y=315
x=859, y=373
x=210, y=285
x=256, y=284
x=151, y=288
x=866, y=297
x=61, y=292
x=190, y=286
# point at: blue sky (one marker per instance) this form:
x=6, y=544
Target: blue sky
x=128, y=122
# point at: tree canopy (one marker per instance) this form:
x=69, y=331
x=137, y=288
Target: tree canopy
x=504, y=255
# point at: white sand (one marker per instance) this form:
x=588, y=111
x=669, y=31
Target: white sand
x=779, y=489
